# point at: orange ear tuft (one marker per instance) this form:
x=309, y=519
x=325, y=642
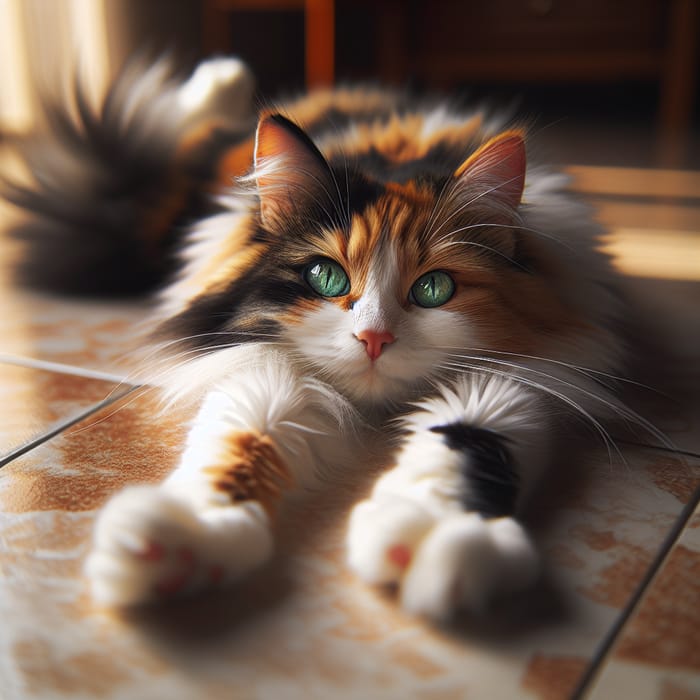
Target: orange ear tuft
x=498, y=168
x=290, y=171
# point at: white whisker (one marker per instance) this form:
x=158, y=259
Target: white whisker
x=617, y=408
x=600, y=429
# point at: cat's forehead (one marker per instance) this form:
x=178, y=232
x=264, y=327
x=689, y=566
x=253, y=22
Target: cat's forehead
x=401, y=210
x=392, y=232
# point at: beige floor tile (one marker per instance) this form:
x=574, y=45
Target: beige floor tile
x=305, y=628
x=657, y=655
x=90, y=335
x=34, y=402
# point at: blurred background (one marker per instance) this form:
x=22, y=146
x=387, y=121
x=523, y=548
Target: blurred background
x=604, y=82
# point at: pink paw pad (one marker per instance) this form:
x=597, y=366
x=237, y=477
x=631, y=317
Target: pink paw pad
x=177, y=582
x=400, y=555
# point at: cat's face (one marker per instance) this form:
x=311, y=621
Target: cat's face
x=401, y=283
x=390, y=301
x=377, y=286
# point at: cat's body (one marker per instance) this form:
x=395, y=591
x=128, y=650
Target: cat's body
x=391, y=267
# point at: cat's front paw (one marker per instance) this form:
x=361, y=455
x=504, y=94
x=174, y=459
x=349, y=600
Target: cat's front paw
x=439, y=565
x=149, y=545
x=383, y=536
x=464, y=562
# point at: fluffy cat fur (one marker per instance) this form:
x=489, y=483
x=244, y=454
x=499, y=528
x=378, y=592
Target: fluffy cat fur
x=357, y=260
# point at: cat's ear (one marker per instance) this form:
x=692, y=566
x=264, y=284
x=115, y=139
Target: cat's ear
x=290, y=172
x=497, y=169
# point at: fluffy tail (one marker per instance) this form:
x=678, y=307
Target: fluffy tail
x=112, y=189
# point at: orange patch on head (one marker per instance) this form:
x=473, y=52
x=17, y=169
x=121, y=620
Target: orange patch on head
x=406, y=138
x=332, y=244
x=364, y=234
x=511, y=311
x=411, y=192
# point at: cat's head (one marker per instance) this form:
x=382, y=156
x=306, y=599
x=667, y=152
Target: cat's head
x=398, y=277
x=378, y=282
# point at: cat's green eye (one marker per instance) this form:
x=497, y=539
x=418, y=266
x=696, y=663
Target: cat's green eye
x=432, y=289
x=327, y=278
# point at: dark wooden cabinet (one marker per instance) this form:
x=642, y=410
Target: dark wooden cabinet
x=446, y=43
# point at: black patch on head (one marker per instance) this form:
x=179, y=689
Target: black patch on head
x=247, y=309
x=438, y=163
x=360, y=192
x=489, y=468
x=349, y=193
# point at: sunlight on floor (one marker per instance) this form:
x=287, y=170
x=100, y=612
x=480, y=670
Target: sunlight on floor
x=662, y=254
x=653, y=218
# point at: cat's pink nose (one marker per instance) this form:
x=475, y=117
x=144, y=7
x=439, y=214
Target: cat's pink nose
x=375, y=341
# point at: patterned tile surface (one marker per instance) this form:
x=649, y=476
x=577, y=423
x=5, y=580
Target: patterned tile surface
x=89, y=335
x=658, y=652
x=34, y=402
x=305, y=627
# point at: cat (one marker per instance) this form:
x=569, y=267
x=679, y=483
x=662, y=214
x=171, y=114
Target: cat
x=354, y=259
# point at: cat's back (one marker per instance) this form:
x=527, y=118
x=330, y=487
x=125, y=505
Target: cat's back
x=378, y=129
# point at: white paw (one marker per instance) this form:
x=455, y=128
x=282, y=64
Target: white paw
x=382, y=537
x=464, y=562
x=149, y=545
x=459, y=561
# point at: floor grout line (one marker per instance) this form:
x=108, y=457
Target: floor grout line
x=598, y=658
x=61, y=427
x=34, y=363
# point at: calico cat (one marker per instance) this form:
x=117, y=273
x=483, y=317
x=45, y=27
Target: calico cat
x=357, y=261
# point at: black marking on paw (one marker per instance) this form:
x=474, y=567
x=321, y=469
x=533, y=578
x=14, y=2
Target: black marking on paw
x=488, y=467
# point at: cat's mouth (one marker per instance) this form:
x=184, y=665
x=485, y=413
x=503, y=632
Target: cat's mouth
x=381, y=378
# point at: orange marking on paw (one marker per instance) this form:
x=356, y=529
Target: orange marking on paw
x=251, y=470
x=400, y=555
x=153, y=551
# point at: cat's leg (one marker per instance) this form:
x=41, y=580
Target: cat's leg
x=210, y=522
x=441, y=523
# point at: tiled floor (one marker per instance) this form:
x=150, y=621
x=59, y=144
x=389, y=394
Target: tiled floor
x=616, y=614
